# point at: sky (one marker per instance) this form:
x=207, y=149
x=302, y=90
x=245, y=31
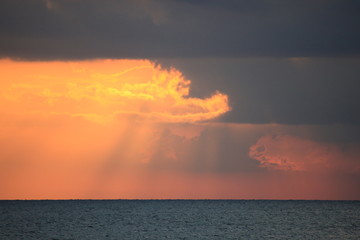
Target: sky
x=179, y=99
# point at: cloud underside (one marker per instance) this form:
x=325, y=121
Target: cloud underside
x=79, y=29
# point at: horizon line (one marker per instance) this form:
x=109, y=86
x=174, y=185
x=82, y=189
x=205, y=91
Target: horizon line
x=175, y=199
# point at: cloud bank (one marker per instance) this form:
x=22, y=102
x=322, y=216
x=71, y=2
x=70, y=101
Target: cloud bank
x=79, y=29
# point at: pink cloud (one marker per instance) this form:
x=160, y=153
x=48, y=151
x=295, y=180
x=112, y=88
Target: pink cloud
x=287, y=152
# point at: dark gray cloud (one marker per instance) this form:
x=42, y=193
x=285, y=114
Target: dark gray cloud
x=77, y=29
x=287, y=91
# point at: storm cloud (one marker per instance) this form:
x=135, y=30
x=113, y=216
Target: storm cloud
x=286, y=91
x=79, y=29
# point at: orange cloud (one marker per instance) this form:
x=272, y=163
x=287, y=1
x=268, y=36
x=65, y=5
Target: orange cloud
x=104, y=90
x=286, y=152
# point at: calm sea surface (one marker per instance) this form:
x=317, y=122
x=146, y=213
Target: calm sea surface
x=179, y=219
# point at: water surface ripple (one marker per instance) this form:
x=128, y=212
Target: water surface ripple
x=179, y=219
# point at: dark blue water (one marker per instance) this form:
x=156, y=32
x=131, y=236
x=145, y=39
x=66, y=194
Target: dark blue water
x=179, y=219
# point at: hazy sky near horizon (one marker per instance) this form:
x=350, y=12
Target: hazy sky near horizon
x=179, y=99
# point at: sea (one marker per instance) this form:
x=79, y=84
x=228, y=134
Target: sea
x=179, y=219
